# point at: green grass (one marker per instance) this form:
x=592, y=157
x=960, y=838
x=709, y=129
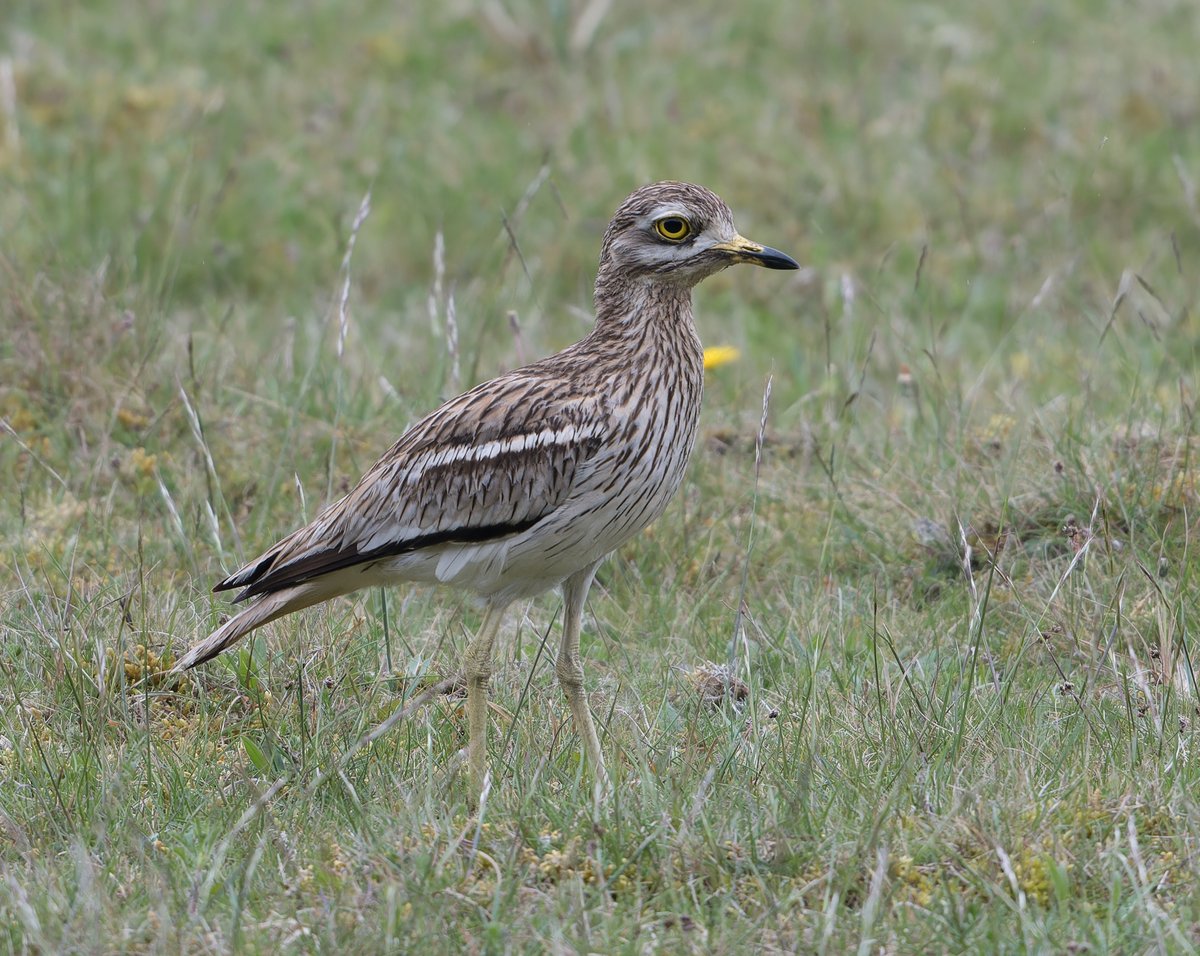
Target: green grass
x=970, y=717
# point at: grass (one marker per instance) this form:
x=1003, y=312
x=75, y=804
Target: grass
x=954, y=604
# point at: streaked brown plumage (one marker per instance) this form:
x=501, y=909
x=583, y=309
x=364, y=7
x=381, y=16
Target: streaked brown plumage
x=528, y=481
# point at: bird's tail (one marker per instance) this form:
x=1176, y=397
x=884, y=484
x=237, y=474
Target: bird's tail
x=264, y=610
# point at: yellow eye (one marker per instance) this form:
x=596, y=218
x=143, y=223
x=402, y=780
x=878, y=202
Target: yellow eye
x=673, y=228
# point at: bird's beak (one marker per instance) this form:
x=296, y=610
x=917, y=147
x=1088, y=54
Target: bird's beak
x=741, y=249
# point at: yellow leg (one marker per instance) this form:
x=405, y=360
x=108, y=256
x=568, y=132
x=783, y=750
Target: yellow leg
x=570, y=672
x=477, y=668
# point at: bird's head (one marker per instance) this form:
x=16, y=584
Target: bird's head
x=678, y=234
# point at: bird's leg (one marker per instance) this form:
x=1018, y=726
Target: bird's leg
x=570, y=671
x=477, y=668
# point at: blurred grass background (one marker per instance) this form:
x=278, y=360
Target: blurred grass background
x=961, y=705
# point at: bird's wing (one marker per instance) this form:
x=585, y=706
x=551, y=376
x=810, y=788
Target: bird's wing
x=492, y=462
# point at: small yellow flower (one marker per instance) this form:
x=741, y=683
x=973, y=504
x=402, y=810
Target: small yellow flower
x=131, y=419
x=143, y=462
x=720, y=355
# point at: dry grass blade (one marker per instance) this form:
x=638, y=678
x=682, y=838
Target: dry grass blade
x=343, y=304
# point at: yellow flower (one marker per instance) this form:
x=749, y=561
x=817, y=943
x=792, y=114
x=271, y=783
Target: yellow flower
x=131, y=419
x=143, y=462
x=720, y=355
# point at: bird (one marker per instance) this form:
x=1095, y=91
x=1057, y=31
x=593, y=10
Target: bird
x=530, y=480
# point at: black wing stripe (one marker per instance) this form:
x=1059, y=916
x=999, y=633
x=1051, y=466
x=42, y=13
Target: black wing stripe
x=267, y=579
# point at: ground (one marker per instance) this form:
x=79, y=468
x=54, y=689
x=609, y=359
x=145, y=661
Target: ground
x=909, y=668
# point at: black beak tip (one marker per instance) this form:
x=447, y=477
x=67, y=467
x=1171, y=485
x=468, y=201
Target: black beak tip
x=774, y=259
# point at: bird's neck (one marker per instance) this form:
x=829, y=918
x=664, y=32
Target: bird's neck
x=645, y=314
x=645, y=343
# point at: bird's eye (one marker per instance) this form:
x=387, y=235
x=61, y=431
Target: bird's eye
x=673, y=228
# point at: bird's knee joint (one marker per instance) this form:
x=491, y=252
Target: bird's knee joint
x=477, y=682
x=477, y=672
x=570, y=674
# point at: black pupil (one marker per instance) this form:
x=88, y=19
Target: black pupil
x=673, y=226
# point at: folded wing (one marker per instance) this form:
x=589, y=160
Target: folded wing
x=489, y=464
